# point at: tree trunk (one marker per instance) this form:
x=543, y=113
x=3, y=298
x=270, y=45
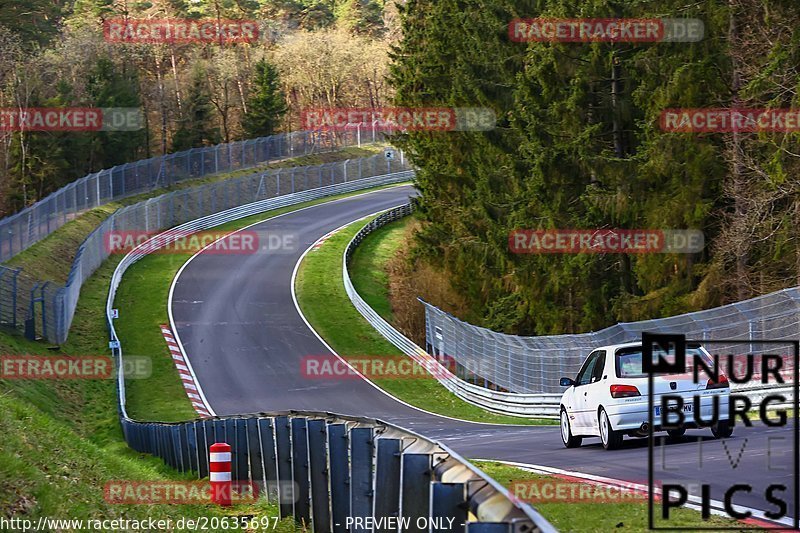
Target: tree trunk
x=742, y=248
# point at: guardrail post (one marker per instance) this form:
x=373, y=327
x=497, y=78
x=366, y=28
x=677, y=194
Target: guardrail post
x=415, y=492
x=448, y=504
x=387, y=481
x=361, y=491
x=203, y=430
x=151, y=442
x=161, y=444
x=191, y=446
x=283, y=447
x=254, y=453
x=302, y=512
x=318, y=470
x=167, y=452
x=178, y=447
x=240, y=450
x=340, y=478
x=267, y=440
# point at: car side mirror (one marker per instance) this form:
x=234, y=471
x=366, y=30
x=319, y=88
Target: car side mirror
x=566, y=382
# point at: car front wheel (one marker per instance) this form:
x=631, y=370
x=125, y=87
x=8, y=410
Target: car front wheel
x=611, y=439
x=567, y=438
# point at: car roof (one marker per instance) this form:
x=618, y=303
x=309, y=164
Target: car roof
x=614, y=347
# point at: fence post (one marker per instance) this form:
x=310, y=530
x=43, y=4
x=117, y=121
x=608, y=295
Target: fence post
x=44, y=308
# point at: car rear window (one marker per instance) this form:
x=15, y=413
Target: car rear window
x=629, y=361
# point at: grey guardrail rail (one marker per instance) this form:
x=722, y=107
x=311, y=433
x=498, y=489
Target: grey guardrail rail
x=541, y=405
x=327, y=467
x=525, y=405
x=324, y=468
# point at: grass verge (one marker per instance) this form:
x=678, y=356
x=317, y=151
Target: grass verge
x=322, y=298
x=61, y=439
x=368, y=265
x=630, y=516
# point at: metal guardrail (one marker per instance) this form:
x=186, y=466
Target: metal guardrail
x=30, y=225
x=532, y=405
x=442, y=360
x=335, y=466
x=46, y=309
x=328, y=468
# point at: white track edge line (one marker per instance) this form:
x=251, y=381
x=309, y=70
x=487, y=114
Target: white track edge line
x=184, y=265
x=317, y=335
x=716, y=505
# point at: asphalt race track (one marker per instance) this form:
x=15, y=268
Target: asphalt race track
x=236, y=319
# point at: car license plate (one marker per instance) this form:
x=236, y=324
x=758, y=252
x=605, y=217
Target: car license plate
x=687, y=408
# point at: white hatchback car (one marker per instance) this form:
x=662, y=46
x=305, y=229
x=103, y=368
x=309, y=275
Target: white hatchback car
x=608, y=398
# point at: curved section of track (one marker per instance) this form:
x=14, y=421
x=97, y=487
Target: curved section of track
x=237, y=322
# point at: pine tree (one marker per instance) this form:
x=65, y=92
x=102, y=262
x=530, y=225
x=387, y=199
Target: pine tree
x=35, y=21
x=110, y=86
x=267, y=104
x=577, y=145
x=363, y=17
x=197, y=127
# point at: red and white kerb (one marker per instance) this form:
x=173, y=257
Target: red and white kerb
x=183, y=371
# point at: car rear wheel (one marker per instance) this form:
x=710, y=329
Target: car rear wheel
x=611, y=439
x=722, y=429
x=567, y=438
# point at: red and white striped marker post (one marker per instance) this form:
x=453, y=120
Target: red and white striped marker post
x=219, y=473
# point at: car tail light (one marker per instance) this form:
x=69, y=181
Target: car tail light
x=721, y=384
x=624, y=391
